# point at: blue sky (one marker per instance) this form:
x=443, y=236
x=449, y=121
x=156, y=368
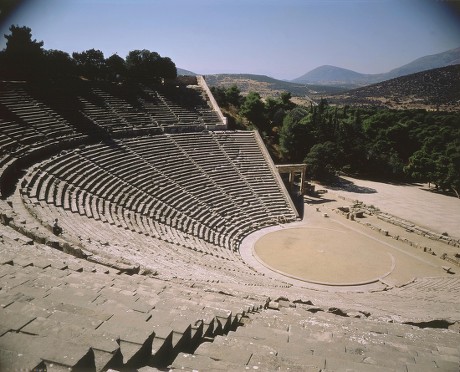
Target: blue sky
x=280, y=38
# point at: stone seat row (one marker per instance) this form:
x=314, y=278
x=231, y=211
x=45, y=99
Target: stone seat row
x=253, y=166
x=35, y=113
x=35, y=120
x=197, y=113
x=54, y=314
x=125, y=111
x=75, y=223
x=80, y=202
x=191, y=172
x=171, y=258
x=166, y=259
x=297, y=340
x=269, y=192
x=105, y=189
x=224, y=181
x=162, y=111
x=103, y=117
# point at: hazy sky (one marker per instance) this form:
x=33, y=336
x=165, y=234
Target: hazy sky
x=279, y=38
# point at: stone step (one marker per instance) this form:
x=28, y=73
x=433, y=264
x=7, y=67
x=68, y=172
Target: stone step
x=292, y=337
x=11, y=321
x=338, y=364
x=50, y=349
x=81, y=297
x=105, y=347
x=131, y=301
x=132, y=327
x=14, y=361
x=189, y=362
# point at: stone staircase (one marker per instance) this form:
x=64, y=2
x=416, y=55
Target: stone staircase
x=297, y=337
x=59, y=312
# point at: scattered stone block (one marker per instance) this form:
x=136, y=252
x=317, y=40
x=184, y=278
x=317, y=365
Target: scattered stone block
x=359, y=214
x=274, y=305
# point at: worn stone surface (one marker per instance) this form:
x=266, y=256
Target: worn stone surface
x=17, y=361
x=49, y=348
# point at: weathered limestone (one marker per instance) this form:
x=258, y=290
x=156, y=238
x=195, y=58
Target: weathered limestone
x=103, y=320
x=291, y=338
x=14, y=361
x=54, y=350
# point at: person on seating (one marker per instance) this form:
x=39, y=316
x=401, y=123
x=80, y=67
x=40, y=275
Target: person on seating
x=57, y=230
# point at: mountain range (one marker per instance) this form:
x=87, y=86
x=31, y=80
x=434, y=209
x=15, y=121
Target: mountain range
x=340, y=77
x=430, y=82
x=181, y=71
x=435, y=89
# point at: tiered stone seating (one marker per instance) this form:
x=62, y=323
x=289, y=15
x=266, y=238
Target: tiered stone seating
x=60, y=312
x=45, y=123
x=104, y=117
x=11, y=141
x=243, y=151
x=160, y=247
x=193, y=110
x=157, y=108
x=27, y=125
x=136, y=118
x=175, y=179
x=299, y=339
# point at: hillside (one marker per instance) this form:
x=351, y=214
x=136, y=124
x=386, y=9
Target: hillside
x=266, y=85
x=336, y=76
x=433, y=89
x=451, y=57
x=181, y=71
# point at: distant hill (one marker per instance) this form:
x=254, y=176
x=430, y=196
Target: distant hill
x=266, y=85
x=181, y=71
x=431, y=89
x=451, y=57
x=336, y=76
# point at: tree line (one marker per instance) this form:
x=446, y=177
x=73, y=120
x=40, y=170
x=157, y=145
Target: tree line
x=391, y=145
x=24, y=58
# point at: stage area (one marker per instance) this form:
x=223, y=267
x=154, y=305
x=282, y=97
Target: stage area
x=336, y=256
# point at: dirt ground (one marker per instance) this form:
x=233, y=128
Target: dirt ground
x=437, y=212
x=327, y=248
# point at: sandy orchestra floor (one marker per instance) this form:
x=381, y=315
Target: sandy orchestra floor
x=327, y=249
x=324, y=255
